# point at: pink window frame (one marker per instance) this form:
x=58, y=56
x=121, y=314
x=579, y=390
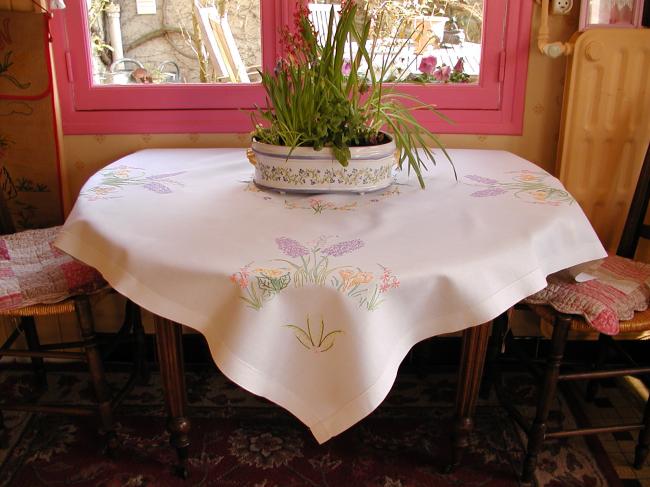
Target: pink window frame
x=493, y=106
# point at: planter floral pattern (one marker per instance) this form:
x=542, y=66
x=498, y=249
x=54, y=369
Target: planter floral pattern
x=310, y=264
x=530, y=186
x=312, y=177
x=114, y=179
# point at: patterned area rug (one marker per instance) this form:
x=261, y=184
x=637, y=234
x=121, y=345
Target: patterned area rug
x=242, y=440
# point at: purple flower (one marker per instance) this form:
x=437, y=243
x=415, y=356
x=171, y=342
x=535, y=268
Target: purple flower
x=481, y=179
x=157, y=187
x=291, y=247
x=442, y=73
x=346, y=69
x=341, y=248
x=428, y=64
x=166, y=175
x=488, y=192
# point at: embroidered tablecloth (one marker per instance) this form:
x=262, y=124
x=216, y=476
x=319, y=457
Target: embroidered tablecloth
x=314, y=300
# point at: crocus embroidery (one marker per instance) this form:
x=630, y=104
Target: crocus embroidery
x=114, y=179
x=529, y=186
x=314, y=263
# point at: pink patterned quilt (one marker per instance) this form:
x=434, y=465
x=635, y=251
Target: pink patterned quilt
x=33, y=271
x=619, y=288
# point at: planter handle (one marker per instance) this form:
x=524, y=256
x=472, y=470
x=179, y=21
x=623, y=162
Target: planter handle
x=251, y=156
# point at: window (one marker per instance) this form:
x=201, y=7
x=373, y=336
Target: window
x=204, y=79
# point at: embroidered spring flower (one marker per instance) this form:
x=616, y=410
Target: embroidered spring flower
x=428, y=64
x=271, y=273
x=103, y=190
x=156, y=187
x=291, y=247
x=319, y=205
x=342, y=248
x=540, y=195
x=528, y=177
x=122, y=172
x=388, y=281
x=488, y=192
x=354, y=278
x=481, y=179
x=241, y=278
x=442, y=73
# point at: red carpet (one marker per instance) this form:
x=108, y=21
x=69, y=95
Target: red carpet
x=241, y=440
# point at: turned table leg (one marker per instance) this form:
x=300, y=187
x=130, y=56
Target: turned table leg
x=472, y=359
x=170, y=357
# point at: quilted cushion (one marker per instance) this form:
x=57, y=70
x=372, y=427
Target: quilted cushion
x=33, y=271
x=620, y=287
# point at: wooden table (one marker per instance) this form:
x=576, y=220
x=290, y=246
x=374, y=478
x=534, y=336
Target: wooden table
x=172, y=372
x=186, y=235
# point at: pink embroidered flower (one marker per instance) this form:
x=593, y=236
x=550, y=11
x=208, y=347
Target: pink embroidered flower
x=346, y=69
x=442, y=73
x=428, y=64
x=241, y=278
x=388, y=281
x=459, y=67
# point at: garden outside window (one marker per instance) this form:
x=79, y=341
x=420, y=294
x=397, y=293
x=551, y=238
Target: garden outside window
x=180, y=66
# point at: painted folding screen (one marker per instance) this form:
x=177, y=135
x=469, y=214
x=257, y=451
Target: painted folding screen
x=29, y=169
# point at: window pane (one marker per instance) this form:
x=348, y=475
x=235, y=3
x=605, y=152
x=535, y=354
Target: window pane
x=175, y=41
x=430, y=41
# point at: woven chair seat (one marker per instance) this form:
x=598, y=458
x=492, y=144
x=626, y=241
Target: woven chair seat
x=36, y=278
x=614, y=302
x=639, y=323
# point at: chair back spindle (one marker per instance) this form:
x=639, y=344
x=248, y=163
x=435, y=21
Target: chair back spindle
x=635, y=228
x=6, y=221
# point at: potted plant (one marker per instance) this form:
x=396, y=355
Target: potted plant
x=332, y=124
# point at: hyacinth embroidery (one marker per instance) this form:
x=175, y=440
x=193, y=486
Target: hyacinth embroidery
x=529, y=186
x=312, y=264
x=114, y=179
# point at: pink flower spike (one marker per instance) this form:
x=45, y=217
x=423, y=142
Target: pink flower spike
x=459, y=67
x=346, y=69
x=428, y=64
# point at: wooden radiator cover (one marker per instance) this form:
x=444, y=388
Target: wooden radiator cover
x=605, y=124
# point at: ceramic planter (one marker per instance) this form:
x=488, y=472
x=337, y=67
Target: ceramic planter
x=310, y=171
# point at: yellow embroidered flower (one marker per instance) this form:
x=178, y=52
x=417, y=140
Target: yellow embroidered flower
x=270, y=273
x=122, y=173
x=528, y=177
x=539, y=195
x=102, y=190
x=354, y=278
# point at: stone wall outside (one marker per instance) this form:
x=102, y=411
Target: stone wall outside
x=243, y=18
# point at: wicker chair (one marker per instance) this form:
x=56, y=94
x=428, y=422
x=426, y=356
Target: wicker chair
x=561, y=324
x=37, y=280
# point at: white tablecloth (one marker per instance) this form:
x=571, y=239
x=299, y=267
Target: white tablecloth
x=313, y=301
